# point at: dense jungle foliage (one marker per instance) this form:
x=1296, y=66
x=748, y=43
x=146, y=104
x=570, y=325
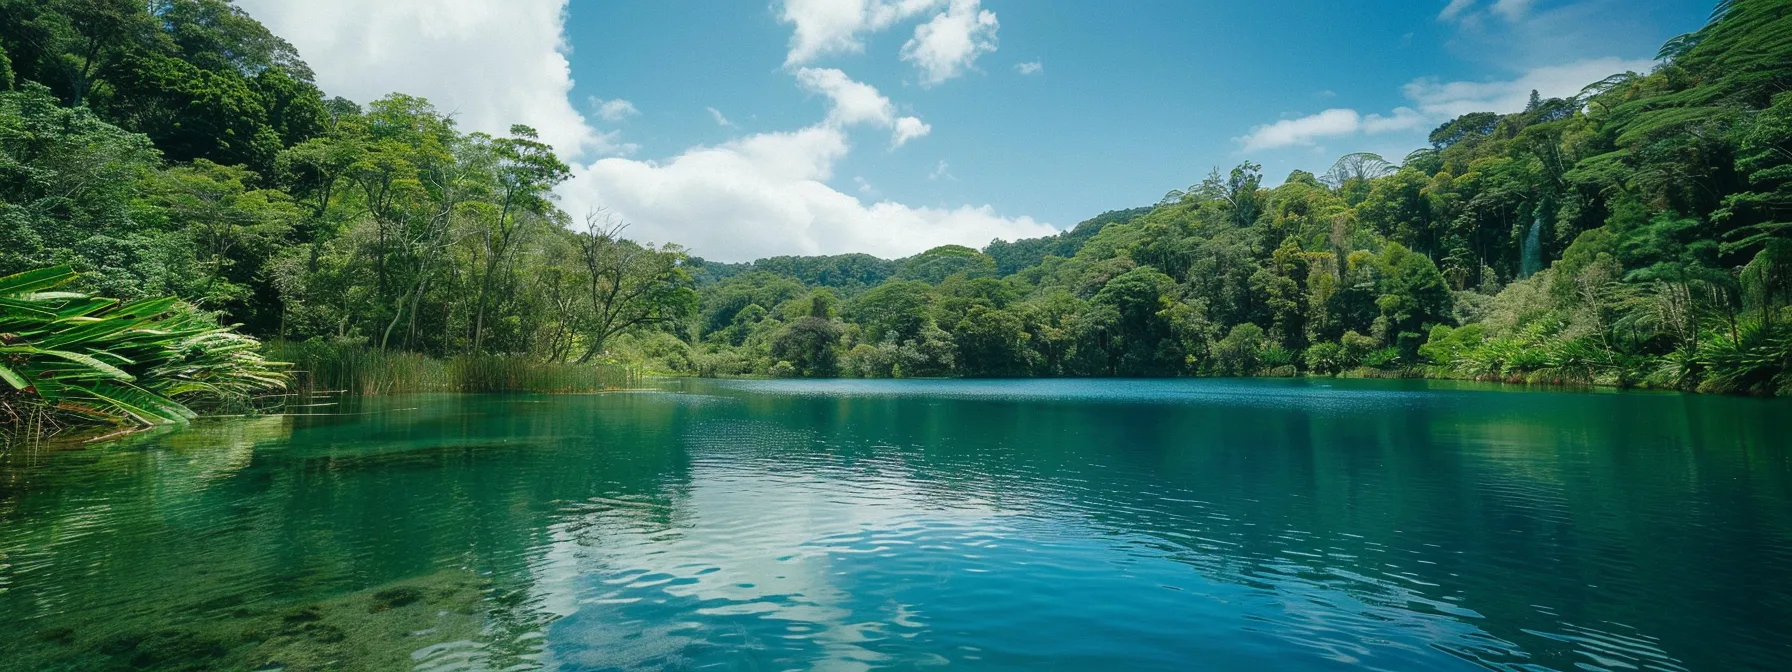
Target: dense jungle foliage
x=1635, y=234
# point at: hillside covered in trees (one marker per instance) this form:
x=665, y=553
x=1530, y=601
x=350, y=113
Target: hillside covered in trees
x=1635, y=234
x=1632, y=235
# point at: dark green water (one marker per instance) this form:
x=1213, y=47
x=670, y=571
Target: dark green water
x=844, y=525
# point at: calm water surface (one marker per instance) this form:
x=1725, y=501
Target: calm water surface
x=848, y=525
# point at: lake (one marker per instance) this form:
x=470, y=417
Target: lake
x=853, y=525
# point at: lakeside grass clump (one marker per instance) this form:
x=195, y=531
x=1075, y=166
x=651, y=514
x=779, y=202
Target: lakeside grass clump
x=69, y=360
x=352, y=368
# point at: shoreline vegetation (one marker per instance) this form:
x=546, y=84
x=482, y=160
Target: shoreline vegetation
x=322, y=367
x=1637, y=234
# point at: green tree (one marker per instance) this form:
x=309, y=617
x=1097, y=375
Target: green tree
x=629, y=286
x=991, y=343
x=895, y=312
x=810, y=344
x=1414, y=296
x=1240, y=353
x=235, y=227
x=1141, y=337
x=526, y=172
x=937, y=264
x=1764, y=210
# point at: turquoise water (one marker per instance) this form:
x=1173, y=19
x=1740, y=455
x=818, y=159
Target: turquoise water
x=851, y=525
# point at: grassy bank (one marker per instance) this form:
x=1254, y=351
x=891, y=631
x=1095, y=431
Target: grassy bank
x=351, y=368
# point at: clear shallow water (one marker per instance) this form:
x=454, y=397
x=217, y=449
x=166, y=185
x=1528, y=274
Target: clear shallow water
x=844, y=525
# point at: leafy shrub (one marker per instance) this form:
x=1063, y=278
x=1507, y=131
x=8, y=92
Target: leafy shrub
x=76, y=357
x=1757, y=359
x=1275, y=357
x=1446, y=344
x=1325, y=358
x=1382, y=358
x=1355, y=347
x=871, y=361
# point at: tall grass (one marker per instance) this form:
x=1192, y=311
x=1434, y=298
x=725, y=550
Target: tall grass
x=351, y=368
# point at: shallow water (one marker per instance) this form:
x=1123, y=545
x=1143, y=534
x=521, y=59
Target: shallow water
x=843, y=525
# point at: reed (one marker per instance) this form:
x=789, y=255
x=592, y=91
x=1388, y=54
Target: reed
x=321, y=366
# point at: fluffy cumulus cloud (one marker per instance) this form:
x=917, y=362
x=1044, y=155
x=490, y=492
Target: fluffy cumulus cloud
x=943, y=47
x=947, y=45
x=908, y=128
x=767, y=194
x=1434, y=102
x=490, y=63
x=854, y=103
x=493, y=63
x=1030, y=68
x=823, y=27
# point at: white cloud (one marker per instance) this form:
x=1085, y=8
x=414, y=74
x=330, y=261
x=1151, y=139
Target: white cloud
x=614, y=110
x=864, y=185
x=1455, y=9
x=1474, y=18
x=1447, y=100
x=1403, y=119
x=490, y=63
x=1303, y=131
x=1030, y=68
x=721, y=120
x=949, y=44
x=1524, y=35
x=943, y=171
x=1469, y=14
x=766, y=194
x=1512, y=10
x=835, y=26
x=943, y=47
x=1435, y=102
x=498, y=62
x=908, y=128
x=853, y=102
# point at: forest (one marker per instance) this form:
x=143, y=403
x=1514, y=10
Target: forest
x=174, y=162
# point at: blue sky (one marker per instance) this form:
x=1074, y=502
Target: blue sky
x=1014, y=116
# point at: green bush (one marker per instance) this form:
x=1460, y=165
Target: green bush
x=1446, y=344
x=1355, y=347
x=1276, y=357
x=1382, y=358
x=1325, y=358
x=1757, y=359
